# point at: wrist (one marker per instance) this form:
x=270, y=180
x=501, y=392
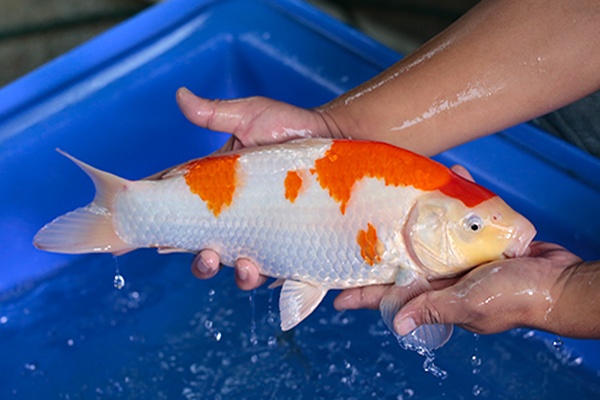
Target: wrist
x=338, y=122
x=541, y=312
x=576, y=312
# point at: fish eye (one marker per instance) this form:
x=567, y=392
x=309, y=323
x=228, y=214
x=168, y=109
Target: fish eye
x=474, y=223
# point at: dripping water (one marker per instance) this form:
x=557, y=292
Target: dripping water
x=476, y=362
x=253, y=335
x=429, y=365
x=475, y=359
x=118, y=280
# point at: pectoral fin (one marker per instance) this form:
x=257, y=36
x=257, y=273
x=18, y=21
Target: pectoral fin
x=408, y=286
x=297, y=301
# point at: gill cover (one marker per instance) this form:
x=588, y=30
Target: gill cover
x=430, y=241
x=446, y=237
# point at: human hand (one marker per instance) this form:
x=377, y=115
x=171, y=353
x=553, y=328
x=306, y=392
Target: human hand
x=252, y=121
x=255, y=121
x=491, y=298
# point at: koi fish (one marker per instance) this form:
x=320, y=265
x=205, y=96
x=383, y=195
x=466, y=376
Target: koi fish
x=317, y=214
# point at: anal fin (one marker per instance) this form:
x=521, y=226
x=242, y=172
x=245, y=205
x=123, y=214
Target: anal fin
x=408, y=286
x=297, y=301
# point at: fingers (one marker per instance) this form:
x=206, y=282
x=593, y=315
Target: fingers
x=207, y=264
x=362, y=297
x=433, y=307
x=425, y=309
x=247, y=276
x=462, y=172
x=480, y=312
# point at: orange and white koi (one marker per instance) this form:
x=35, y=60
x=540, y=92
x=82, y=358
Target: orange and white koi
x=318, y=214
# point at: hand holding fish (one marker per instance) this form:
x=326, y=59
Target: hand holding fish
x=252, y=122
x=407, y=285
x=527, y=291
x=550, y=289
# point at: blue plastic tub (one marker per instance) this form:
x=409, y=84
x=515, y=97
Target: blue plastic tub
x=66, y=332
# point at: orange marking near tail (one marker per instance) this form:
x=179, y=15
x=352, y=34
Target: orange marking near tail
x=346, y=162
x=293, y=184
x=371, y=247
x=214, y=179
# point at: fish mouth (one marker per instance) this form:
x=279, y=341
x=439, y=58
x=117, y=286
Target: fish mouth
x=522, y=239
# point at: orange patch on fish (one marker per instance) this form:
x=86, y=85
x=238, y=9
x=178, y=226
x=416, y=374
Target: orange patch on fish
x=371, y=248
x=464, y=190
x=214, y=179
x=347, y=162
x=293, y=184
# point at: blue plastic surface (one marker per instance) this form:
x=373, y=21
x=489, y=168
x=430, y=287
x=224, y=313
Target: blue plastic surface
x=111, y=103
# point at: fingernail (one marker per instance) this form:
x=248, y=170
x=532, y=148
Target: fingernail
x=205, y=264
x=184, y=93
x=242, y=273
x=406, y=326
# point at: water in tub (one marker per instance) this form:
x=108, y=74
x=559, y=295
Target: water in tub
x=166, y=335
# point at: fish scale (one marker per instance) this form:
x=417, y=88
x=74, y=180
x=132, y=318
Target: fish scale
x=255, y=222
x=318, y=214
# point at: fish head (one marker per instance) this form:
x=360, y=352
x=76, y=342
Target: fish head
x=446, y=237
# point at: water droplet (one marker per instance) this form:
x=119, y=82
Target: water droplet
x=477, y=390
x=253, y=339
x=476, y=363
x=528, y=334
x=119, y=281
x=3, y=319
x=254, y=359
x=196, y=369
x=558, y=343
x=70, y=342
x=30, y=367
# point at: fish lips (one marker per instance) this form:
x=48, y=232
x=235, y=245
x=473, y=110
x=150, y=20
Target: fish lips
x=523, y=238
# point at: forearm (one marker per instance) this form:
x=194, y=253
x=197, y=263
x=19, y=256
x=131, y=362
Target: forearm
x=504, y=62
x=576, y=312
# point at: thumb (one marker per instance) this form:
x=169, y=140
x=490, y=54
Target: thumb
x=428, y=308
x=216, y=115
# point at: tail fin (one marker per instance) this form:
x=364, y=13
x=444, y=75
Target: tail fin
x=87, y=229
